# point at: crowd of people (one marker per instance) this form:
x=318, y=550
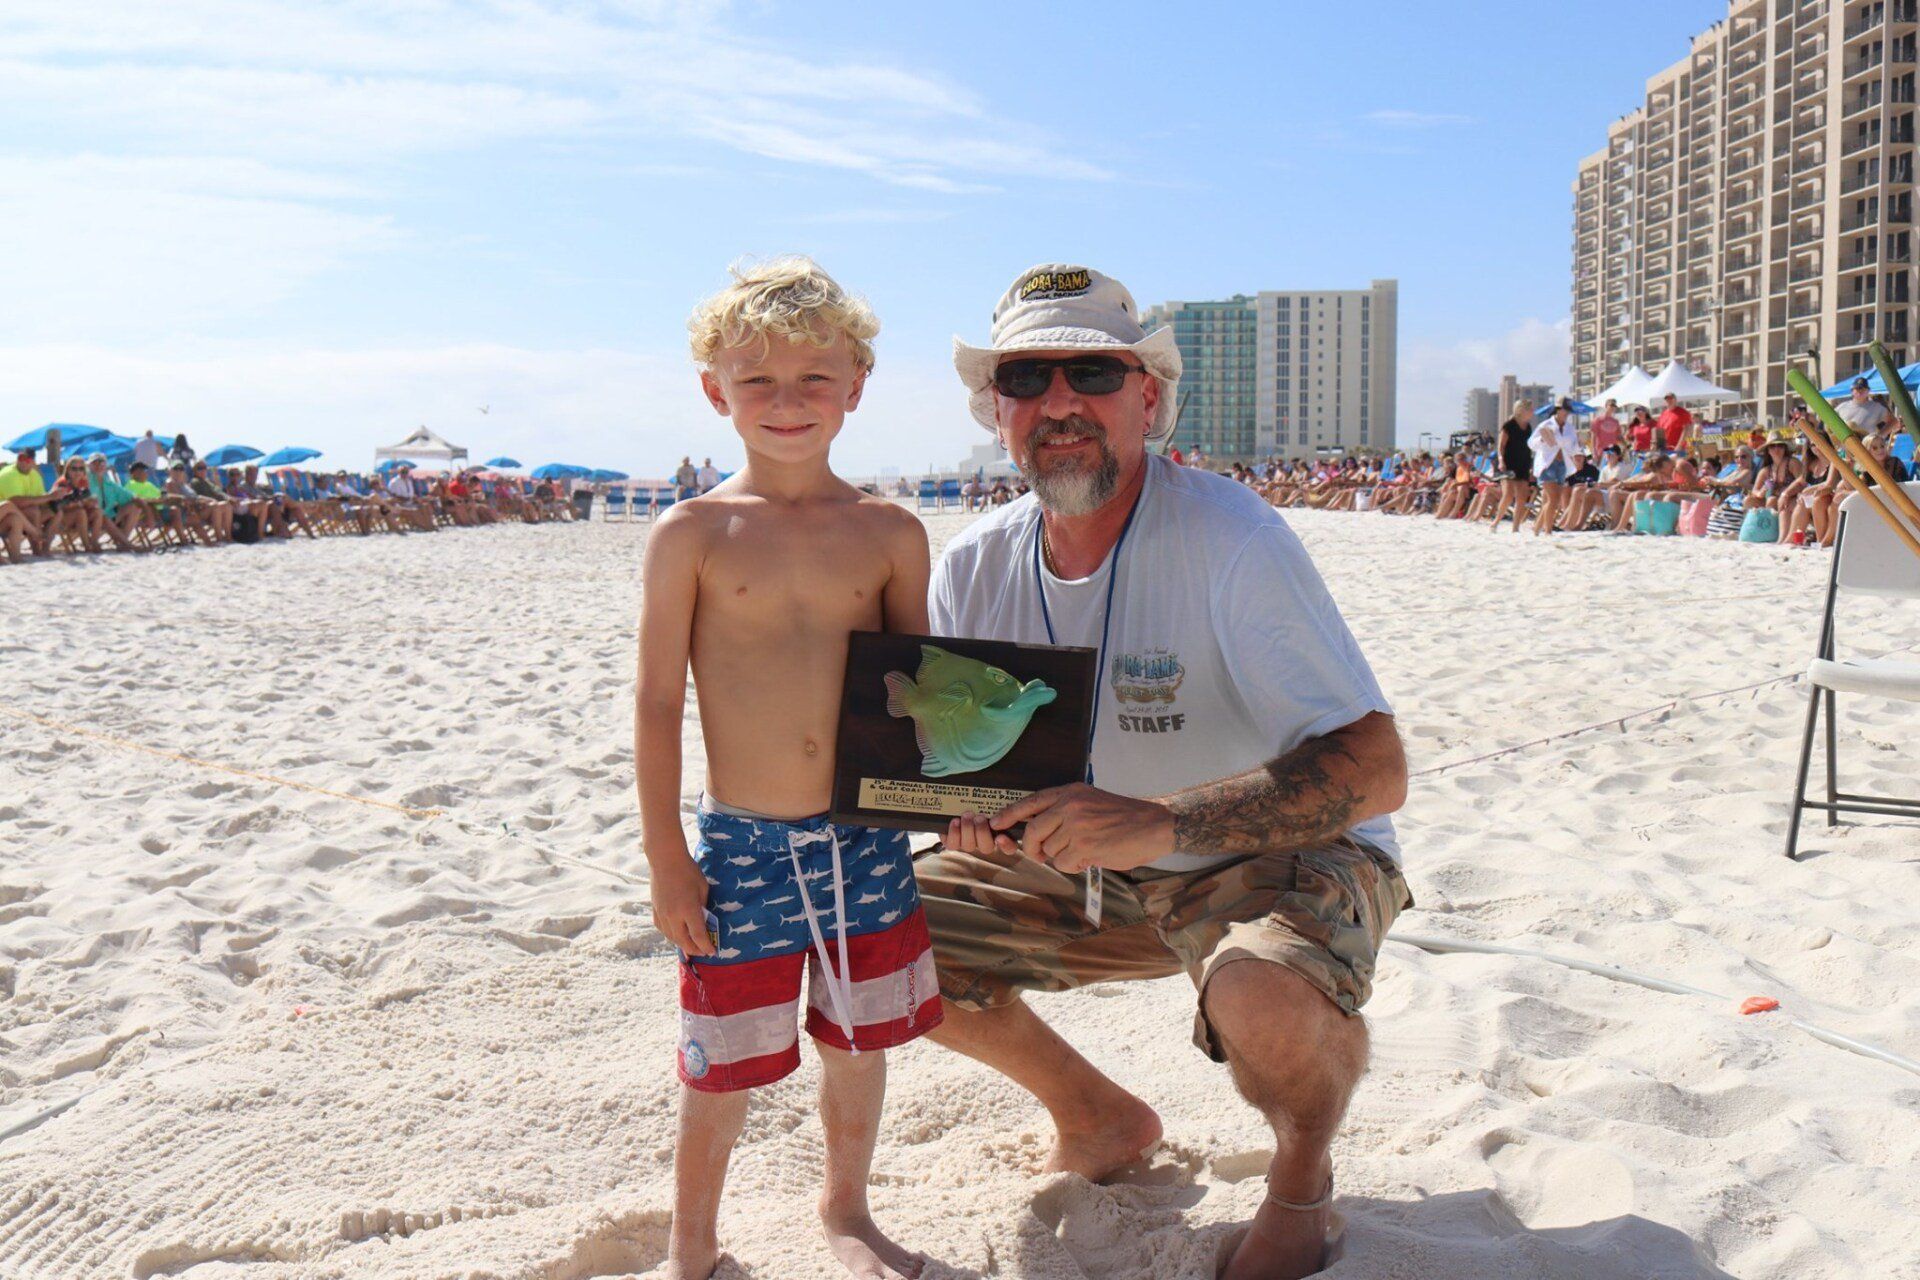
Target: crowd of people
x=165, y=498
x=1612, y=476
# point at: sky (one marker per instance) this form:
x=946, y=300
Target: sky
x=325, y=224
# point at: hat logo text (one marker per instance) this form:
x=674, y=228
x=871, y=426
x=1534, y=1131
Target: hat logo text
x=1056, y=284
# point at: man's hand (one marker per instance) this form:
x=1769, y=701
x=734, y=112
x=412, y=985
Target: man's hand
x=1078, y=826
x=680, y=905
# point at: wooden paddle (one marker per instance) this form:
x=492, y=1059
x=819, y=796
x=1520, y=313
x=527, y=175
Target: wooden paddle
x=1817, y=404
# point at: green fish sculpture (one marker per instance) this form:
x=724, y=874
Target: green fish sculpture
x=966, y=714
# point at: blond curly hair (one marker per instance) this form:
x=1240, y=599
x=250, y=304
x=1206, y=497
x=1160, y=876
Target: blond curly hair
x=790, y=296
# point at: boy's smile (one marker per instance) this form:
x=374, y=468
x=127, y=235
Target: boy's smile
x=785, y=395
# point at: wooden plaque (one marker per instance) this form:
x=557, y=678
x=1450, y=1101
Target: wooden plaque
x=877, y=777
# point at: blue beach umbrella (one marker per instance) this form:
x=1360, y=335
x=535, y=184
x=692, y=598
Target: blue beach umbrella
x=114, y=447
x=228, y=454
x=393, y=464
x=559, y=471
x=71, y=434
x=1909, y=374
x=289, y=456
x=606, y=477
x=504, y=463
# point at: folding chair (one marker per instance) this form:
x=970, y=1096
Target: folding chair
x=929, y=496
x=1868, y=560
x=949, y=492
x=616, y=503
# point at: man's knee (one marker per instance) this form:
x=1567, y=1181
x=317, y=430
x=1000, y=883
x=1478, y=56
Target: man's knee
x=1286, y=1042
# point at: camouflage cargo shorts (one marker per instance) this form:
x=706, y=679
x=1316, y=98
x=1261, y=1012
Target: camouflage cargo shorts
x=1003, y=925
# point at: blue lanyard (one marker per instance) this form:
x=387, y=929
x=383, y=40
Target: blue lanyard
x=1094, y=885
x=1106, y=615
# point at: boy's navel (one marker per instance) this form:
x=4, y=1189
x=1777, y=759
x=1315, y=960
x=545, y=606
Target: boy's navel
x=739, y=591
x=812, y=748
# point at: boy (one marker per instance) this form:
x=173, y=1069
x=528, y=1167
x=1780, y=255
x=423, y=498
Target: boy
x=757, y=584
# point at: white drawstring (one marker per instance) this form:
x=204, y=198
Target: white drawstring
x=839, y=989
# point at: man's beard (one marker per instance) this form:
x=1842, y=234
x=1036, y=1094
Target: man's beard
x=1070, y=486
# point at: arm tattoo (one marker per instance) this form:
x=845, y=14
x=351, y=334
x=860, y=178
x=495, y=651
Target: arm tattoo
x=1291, y=802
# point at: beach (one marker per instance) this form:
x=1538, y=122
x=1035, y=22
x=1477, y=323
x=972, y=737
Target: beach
x=330, y=1033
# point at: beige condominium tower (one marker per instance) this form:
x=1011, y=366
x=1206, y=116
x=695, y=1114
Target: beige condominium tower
x=1286, y=372
x=1757, y=208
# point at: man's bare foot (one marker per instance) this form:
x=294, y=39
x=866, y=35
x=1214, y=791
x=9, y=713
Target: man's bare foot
x=1282, y=1243
x=863, y=1250
x=1126, y=1134
x=691, y=1260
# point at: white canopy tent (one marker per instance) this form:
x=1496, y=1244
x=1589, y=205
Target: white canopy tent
x=424, y=448
x=1685, y=384
x=1631, y=388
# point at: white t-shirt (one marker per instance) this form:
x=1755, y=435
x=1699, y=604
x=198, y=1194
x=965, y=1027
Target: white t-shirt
x=146, y=449
x=706, y=477
x=399, y=485
x=1863, y=416
x=1225, y=648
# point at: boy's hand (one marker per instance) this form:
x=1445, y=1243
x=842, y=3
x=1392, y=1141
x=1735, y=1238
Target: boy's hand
x=680, y=905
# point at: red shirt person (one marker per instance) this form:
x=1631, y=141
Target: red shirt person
x=1673, y=423
x=1640, y=433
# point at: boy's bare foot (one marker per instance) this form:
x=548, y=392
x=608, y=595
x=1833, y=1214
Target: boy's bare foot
x=1285, y=1241
x=863, y=1250
x=1126, y=1134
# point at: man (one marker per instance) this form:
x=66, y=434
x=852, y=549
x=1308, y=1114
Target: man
x=167, y=516
x=1673, y=422
x=1861, y=411
x=147, y=452
x=23, y=504
x=686, y=479
x=707, y=476
x=1244, y=762
x=404, y=493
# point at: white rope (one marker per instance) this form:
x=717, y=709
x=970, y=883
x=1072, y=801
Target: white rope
x=1445, y=946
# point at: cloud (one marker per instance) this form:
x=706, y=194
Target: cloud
x=105, y=245
x=1396, y=119
x=1436, y=376
x=631, y=410
x=182, y=167
x=371, y=79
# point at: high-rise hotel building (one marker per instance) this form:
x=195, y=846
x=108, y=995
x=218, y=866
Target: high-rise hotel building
x=1757, y=206
x=1286, y=372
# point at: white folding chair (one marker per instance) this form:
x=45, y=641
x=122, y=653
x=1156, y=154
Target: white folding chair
x=1869, y=560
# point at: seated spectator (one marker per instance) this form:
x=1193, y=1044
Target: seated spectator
x=1583, y=493
x=121, y=513
x=407, y=505
x=71, y=507
x=23, y=505
x=167, y=516
x=1655, y=478
x=208, y=509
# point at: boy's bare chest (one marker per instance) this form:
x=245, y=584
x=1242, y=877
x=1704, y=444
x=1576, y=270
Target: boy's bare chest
x=806, y=565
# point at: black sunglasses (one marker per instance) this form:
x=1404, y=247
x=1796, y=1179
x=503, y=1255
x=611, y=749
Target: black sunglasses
x=1087, y=375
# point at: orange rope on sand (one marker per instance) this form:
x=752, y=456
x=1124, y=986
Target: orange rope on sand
x=128, y=745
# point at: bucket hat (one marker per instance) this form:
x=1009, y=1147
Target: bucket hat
x=1063, y=307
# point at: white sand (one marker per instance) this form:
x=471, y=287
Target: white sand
x=481, y=1083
